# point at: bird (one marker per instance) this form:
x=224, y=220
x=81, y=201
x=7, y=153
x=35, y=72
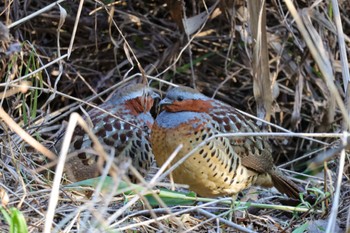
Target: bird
x=223, y=165
x=124, y=125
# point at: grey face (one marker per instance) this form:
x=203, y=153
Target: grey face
x=132, y=92
x=185, y=93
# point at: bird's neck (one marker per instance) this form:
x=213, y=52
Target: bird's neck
x=171, y=119
x=139, y=105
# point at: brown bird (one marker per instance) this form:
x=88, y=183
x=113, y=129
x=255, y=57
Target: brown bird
x=128, y=134
x=224, y=165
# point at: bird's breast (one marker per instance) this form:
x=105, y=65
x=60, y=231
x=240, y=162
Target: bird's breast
x=146, y=118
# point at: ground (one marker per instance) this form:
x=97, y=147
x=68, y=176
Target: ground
x=60, y=66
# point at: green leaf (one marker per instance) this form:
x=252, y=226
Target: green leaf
x=108, y=185
x=302, y=228
x=15, y=220
x=18, y=222
x=7, y=217
x=171, y=198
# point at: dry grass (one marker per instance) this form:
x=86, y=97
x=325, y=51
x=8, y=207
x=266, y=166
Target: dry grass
x=54, y=63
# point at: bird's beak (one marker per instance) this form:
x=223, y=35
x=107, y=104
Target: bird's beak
x=155, y=95
x=165, y=102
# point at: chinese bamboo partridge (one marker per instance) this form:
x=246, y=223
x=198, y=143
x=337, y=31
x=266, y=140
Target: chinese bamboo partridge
x=224, y=165
x=126, y=128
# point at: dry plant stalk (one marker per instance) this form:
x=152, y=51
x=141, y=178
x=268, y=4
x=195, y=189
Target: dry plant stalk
x=261, y=72
x=18, y=129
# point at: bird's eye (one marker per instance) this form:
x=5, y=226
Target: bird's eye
x=180, y=98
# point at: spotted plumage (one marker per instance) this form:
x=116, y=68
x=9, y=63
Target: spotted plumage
x=125, y=125
x=223, y=165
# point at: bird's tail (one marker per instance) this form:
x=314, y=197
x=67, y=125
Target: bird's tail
x=285, y=185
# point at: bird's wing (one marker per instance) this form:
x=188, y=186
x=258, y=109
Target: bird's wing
x=254, y=151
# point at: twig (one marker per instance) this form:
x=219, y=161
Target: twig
x=333, y=216
x=228, y=223
x=25, y=136
x=36, y=13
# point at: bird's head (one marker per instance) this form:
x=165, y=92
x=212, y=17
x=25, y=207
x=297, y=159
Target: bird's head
x=181, y=99
x=136, y=97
